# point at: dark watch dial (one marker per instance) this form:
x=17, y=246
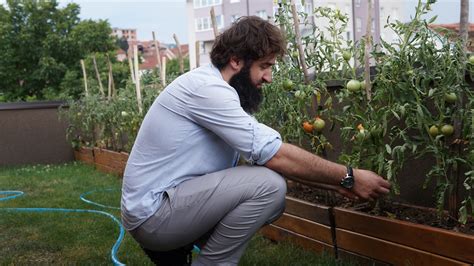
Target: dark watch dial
x=348, y=180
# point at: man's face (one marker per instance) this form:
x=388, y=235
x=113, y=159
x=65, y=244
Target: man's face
x=249, y=80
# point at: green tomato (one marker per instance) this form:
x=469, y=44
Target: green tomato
x=319, y=124
x=471, y=59
x=447, y=130
x=450, y=97
x=288, y=84
x=346, y=55
x=433, y=131
x=353, y=85
x=300, y=94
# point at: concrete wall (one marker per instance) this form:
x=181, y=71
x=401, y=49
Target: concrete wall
x=31, y=133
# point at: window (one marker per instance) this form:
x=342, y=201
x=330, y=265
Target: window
x=204, y=3
x=262, y=14
x=205, y=23
x=358, y=25
x=357, y=3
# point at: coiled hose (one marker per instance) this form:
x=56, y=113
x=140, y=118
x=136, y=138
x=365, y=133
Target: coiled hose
x=113, y=253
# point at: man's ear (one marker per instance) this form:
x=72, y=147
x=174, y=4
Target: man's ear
x=236, y=63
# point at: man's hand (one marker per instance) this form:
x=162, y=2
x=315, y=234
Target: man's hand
x=368, y=185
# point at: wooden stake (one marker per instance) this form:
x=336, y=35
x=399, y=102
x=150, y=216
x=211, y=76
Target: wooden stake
x=163, y=71
x=198, y=51
x=158, y=57
x=368, y=41
x=111, y=88
x=296, y=22
x=214, y=22
x=130, y=64
x=85, y=77
x=137, y=83
x=180, y=55
x=101, y=88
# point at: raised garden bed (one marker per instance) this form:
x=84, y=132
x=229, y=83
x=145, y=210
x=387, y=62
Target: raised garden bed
x=104, y=160
x=348, y=234
x=305, y=224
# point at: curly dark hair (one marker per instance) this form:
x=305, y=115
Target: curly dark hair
x=249, y=38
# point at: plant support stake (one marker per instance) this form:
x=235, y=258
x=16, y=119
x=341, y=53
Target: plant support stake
x=214, y=22
x=101, y=88
x=180, y=55
x=85, y=77
x=368, y=41
x=158, y=57
x=137, y=84
x=298, y=42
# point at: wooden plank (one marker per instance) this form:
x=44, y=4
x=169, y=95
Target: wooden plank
x=314, y=212
x=278, y=234
x=389, y=252
x=84, y=155
x=443, y=242
x=358, y=259
x=305, y=227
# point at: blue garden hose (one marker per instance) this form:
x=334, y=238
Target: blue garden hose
x=113, y=252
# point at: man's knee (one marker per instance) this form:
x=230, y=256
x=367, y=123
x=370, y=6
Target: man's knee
x=274, y=183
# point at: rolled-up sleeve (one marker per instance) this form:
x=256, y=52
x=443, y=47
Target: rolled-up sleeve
x=218, y=109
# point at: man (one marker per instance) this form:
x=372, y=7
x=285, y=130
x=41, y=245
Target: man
x=181, y=184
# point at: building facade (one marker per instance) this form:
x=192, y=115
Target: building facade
x=128, y=34
x=201, y=34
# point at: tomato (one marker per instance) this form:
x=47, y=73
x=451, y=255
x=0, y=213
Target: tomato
x=447, y=130
x=471, y=59
x=362, y=85
x=450, y=97
x=353, y=85
x=288, y=84
x=124, y=114
x=300, y=94
x=307, y=127
x=346, y=55
x=433, y=131
x=319, y=124
x=79, y=114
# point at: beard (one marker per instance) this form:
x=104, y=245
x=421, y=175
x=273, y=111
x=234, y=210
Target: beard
x=250, y=96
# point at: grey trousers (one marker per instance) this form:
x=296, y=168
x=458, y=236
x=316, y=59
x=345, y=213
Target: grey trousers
x=222, y=209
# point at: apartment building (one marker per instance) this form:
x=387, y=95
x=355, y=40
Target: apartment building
x=128, y=34
x=200, y=28
x=227, y=11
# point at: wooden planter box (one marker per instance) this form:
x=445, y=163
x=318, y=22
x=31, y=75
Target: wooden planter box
x=110, y=161
x=305, y=224
x=399, y=242
x=84, y=154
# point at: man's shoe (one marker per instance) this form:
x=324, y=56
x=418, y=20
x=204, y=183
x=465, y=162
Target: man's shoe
x=176, y=257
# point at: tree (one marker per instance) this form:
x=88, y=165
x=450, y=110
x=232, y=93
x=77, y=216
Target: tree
x=40, y=43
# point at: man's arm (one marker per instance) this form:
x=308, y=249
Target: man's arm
x=307, y=168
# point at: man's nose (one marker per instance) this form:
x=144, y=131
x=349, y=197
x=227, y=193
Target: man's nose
x=267, y=77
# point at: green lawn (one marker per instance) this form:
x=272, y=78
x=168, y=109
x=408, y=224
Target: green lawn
x=87, y=238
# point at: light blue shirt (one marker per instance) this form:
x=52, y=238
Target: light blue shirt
x=195, y=126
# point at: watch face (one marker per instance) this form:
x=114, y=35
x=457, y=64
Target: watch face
x=348, y=182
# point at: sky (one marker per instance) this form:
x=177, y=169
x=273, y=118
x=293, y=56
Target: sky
x=168, y=17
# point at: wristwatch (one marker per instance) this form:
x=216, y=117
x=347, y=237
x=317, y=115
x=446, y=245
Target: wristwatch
x=348, y=180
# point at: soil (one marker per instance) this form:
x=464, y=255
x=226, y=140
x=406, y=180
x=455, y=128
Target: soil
x=384, y=208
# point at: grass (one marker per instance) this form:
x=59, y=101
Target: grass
x=87, y=238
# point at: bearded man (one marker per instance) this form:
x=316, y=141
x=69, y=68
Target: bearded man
x=182, y=186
